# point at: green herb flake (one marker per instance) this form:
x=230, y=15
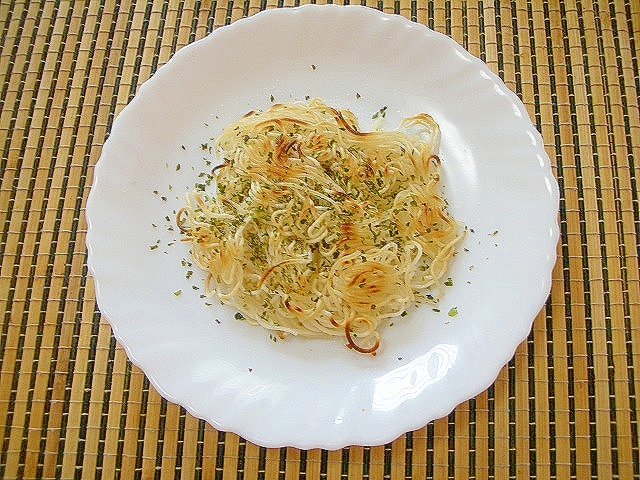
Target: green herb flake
x=313, y=67
x=380, y=113
x=177, y=293
x=453, y=311
x=177, y=167
x=239, y=316
x=153, y=247
x=448, y=282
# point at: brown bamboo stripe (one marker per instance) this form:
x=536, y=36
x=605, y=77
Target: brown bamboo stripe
x=72, y=405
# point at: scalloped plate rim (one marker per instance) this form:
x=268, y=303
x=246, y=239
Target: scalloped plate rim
x=278, y=439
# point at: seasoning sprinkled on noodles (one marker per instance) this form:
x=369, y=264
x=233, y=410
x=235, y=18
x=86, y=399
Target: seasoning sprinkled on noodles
x=317, y=228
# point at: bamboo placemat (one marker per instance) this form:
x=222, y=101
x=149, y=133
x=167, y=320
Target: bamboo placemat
x=72, y=406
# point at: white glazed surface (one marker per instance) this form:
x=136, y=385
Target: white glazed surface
x=317, y=393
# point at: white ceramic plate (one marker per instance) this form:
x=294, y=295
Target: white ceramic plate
x=317, y=393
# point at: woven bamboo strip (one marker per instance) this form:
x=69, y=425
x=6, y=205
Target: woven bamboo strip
x=23, y=343
x=230, y=455
x=607, y=242
x=356, y=463
x=251, y=461
x=515, y=19
x=610, y=175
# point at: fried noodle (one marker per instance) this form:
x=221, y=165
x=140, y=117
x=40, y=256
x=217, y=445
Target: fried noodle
x=317, y=228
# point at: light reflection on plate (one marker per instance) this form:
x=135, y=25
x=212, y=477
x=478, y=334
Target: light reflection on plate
x=404, y=383
x=317, y=393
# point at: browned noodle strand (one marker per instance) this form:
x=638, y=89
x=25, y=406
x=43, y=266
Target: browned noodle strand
x=317, y=228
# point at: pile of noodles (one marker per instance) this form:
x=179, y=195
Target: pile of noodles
x=316, y=228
